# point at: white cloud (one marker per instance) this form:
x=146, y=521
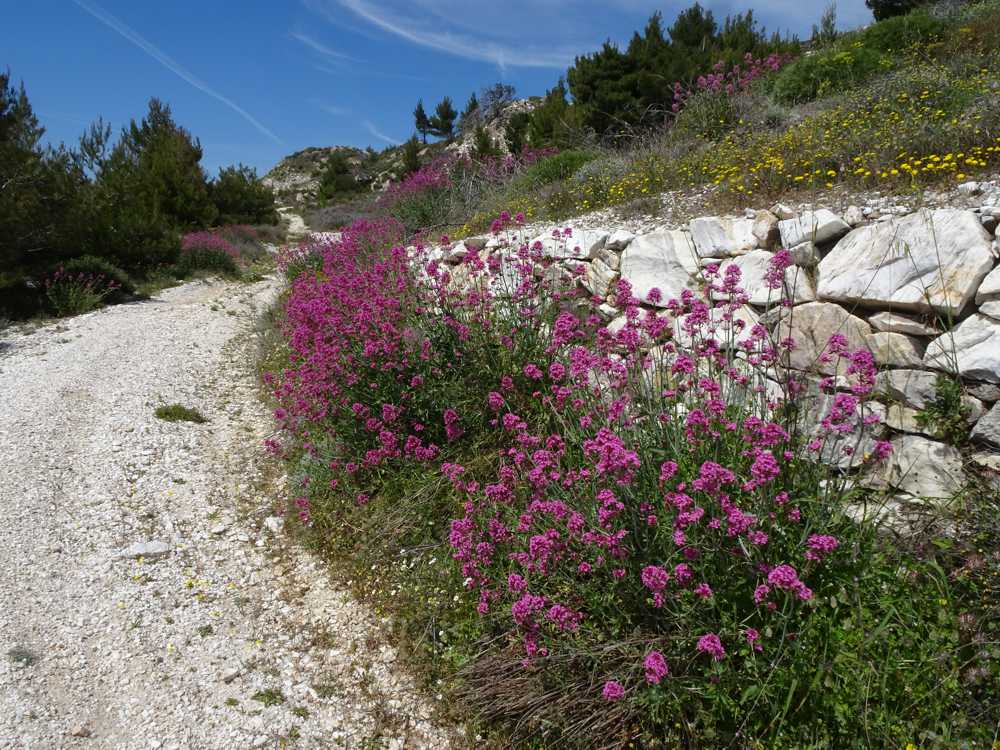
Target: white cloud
x=381, y=136
x=172, y=65
x=321, y=48
x=501, y=53
x=334, y=110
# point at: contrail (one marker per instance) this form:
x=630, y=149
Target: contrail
x=172, y=65
x=374, y=131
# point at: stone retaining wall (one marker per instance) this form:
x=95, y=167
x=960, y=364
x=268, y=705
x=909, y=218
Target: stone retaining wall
x=921, y=291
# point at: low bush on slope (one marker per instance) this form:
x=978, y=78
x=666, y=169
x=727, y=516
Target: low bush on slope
x=604, y=540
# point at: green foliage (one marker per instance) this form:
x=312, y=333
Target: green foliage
x=240, y=197
x=826, y=31
x=421, y=121
x=516, y=132
x=561, y=166
x=40, y=189
x=75, y=293
x=482, y=143
x=883, y=9
x=903, y=33
x=827, y=72
x=555, y=122
x=100, y=266
x=617, y=90
x=411, y=156
x=179, y=413
x=947, y=416
x=443, y=122
x=205, y=259
x=338, y=179
x=470, y=113
x=857, y=59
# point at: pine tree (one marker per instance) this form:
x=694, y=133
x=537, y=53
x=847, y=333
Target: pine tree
x=421, y=121
x=883, y=9
x=826, y=31
x=470, y=113
x=482, y=144
x=443, y=121
x=240, y=197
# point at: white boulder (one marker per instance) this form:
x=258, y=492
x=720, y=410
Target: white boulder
x=927, y=261
x=972, y=349
x=894, y=350
x=924, y=468
x=665, y=260
x=718, y=237
x=895, y=323
x=812, y=226
x=599, y=278
x=754, y=267
x=811, y=325
x=987, y=429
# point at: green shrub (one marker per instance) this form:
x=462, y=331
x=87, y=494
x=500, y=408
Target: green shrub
x=100, y=266
x=241, y=198
x=947, y=416
x=707, y=114
x=883, y=9
x=76, y=292
x=561, y=166
x=903, y=32
x=826, y=73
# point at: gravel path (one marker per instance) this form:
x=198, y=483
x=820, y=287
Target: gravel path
x=221, y=635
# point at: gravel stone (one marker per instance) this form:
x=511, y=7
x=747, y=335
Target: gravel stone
x=134, y=654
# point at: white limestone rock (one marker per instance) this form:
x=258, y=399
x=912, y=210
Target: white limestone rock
x=812, y=226
x=991, y=309
x=721, y=237
x=665, y=260
x=782, y=211
x=727, y=329
x=805, y=255
x=599, y=278
x=915, y=388
x=754, y=267
x=891, y=322
x=894, y=349
x=987, y=429
x=854, y=216
x=581, y=244
x=973, y=348
x=811, y=325
x=924, y=468
x=927, y=261
x=619, y=240
x=989, y=289
x=765, y=230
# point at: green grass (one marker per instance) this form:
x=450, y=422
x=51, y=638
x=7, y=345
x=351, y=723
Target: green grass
x=179, y=413
x=269, y=697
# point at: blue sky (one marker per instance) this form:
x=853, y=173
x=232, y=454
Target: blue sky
x=258, y=79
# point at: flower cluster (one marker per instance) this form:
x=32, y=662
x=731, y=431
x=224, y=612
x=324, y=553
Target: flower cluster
x=730, y=80
x=208, y=241
x=645, y=476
